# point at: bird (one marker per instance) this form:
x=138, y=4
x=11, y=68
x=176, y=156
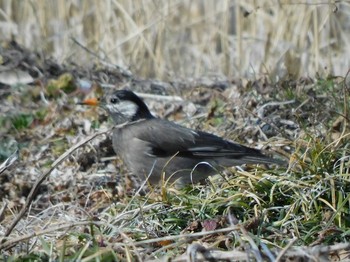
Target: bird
x=160, y=150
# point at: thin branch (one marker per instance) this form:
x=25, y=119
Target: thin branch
x=9, y=161
x=125, y=73
x=284, y=250
x=10, y=243
x=43, y=177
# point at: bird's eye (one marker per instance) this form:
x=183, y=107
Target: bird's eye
x=114, y=100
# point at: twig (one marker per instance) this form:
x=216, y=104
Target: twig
x=195, y=248
x=193, y=235
x=75, y=147
x=12, y=242
x=260, y=111
x=284, y=250
x=9, y=161
x=2, y=211
x=42, y=178
x=160, y=97
x=125, y=73
x=216, y=255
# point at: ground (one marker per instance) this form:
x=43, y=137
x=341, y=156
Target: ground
x=65, y=194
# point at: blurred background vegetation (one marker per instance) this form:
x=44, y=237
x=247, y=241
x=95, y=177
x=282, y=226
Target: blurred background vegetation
x=182, y=38
x=86, y=208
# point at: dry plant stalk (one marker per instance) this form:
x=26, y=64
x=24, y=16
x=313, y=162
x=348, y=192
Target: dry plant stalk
x=166, y=39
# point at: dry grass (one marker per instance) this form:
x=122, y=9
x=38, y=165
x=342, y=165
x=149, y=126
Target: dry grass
x=169, y=39
x=87, y=211
x=90, y=212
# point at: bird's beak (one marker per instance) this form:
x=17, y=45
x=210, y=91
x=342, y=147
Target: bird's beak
x=90, y=102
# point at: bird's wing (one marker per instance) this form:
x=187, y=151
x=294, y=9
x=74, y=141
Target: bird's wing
x=165, y=139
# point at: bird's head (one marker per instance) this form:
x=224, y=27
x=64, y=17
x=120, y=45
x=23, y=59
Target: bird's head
x=123, y=106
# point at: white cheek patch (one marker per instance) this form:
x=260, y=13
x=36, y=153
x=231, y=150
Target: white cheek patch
x=125, y=108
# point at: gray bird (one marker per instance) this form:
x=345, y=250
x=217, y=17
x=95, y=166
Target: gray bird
x=151, y=147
